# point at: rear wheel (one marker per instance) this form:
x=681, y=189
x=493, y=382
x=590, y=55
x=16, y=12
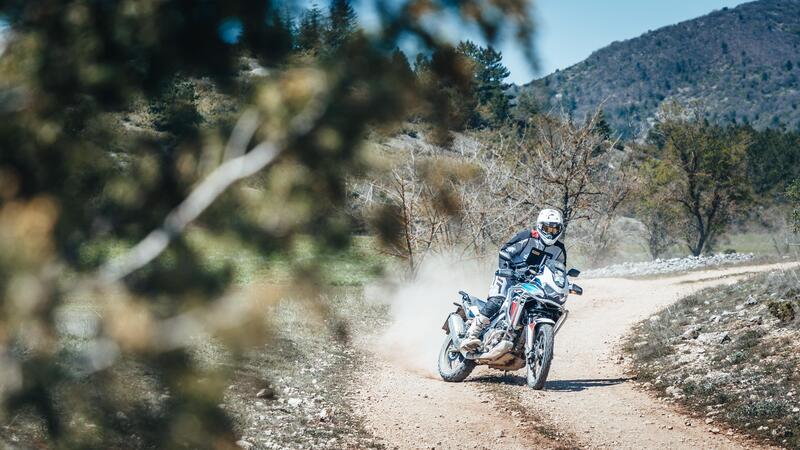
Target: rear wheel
x=452, y=364
x=540, y=356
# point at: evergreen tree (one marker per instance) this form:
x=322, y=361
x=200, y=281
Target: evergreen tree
x=283, y=28
x=490, y=73
x=448, y=85
x=400, y=63
x=527, y=106
x=342, y=23
x=311, y=29
x=422, y=63
x=602, y=127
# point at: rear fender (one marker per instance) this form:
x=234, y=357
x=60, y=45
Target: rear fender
x=460, y=311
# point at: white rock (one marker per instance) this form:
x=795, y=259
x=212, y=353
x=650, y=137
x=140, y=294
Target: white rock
x=244, y=444
x=674, y=391
x=691, y=333
x=714, y=338
x=294, y=402
x=263, y=393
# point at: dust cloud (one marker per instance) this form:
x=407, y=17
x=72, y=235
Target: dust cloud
x=419, y=307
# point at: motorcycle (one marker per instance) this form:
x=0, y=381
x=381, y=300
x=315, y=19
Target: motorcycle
x=521, y=334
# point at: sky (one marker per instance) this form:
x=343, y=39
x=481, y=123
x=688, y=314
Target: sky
x=567, y=31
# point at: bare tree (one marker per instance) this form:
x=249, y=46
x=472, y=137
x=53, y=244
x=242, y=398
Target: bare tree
x=483, y=190
x=615, y=186
x=558, y=163
x=491, y=213
x=423, y=194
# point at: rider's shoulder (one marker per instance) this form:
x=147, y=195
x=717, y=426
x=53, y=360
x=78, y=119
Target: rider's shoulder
x=524, y=234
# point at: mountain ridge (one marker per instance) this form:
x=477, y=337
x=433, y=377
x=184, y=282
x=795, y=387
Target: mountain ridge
x=740, y=65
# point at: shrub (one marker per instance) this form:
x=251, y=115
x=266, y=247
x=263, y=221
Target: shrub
x=782, y=309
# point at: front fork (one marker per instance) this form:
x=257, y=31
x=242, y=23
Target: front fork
x=530, y=335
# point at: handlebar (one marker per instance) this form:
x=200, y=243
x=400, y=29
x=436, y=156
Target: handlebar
x=520, y=274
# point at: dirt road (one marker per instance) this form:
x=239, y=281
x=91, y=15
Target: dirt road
x=587, y=401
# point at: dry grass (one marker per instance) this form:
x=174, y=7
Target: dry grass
x=731, y=353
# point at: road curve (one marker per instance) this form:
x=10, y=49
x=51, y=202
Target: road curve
x=588, y=401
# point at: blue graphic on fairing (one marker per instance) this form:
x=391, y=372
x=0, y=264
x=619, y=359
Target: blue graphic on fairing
x=532, y=288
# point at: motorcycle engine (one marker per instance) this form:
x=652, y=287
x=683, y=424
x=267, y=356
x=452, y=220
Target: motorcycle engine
x=494, y=336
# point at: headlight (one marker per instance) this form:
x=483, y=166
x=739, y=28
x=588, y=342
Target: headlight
x=559, y=278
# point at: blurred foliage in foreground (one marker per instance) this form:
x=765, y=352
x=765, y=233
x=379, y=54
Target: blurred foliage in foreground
x=104, y=133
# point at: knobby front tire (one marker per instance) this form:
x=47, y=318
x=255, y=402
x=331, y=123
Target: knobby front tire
x=452, y=365
x=539, y=362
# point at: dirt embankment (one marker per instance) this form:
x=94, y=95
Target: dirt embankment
x=730, y=353
x=588, y=400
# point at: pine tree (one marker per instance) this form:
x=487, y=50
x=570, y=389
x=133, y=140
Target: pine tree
x=527, y=106
x=310, y=32
x=422, y=63
x=490, y=74
x=449, y=89
x=601, y=126
x=342, y=23
x=400, y=63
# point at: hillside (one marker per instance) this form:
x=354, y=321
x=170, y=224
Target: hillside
x=741, y=64
x=729, y=353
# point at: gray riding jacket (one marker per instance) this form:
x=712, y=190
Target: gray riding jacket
x=526, y=249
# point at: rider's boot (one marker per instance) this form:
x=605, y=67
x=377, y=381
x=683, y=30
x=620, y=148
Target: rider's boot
x=472, y=339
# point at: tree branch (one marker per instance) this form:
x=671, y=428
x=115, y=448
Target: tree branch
x=210, y=189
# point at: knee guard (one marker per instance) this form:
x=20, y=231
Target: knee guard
x=492, y=305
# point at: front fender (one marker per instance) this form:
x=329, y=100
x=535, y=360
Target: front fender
x=530, y=331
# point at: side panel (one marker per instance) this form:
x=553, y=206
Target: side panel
x=515, y=310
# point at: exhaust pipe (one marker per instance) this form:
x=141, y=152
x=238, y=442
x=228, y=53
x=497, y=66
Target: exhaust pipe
x=456, y=325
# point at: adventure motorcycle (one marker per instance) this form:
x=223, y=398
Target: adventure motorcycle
x=521, y=333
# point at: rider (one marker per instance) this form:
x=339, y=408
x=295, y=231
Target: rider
x=526, y=248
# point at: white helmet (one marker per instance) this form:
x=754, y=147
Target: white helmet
x=550, y=225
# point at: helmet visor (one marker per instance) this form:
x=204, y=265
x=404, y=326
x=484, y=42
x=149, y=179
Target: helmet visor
x=550, y=230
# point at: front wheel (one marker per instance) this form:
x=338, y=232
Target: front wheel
x=540, y=356
x=452, y=364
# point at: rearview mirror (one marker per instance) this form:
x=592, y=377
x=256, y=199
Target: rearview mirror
x=573, y=272
x=575, y=289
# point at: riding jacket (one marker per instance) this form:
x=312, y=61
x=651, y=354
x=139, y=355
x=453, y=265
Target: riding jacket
x=527, y=249
x=523, y=250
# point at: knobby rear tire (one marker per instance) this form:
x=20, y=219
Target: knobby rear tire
x=544, y=343
x=453, y=368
